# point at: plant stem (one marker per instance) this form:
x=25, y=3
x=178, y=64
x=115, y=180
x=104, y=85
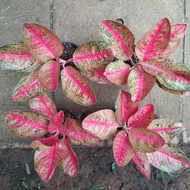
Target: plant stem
x=63, y=62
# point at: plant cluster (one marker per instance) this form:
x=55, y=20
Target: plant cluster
x=137, y=135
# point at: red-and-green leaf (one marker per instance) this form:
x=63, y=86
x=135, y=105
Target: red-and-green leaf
x=119, y=37
x=143, y=117
x=56, y=123
x=154, y=42
x=28, y=87
x=166, y=128
x=48, y=155
x=76, y=87
x=140, y=83
x=26, y=124
x=122, y=149
x=101, y=123
x=49, y=75
x=44, y=105
x=169, y=158
x=157, y=69
x=141, y=161
x=16, y=57
x=117, y=72
x=145, y=140
x=42, y=43
x=77, y=135
x=124, y=107
x=177, y=34
x=92, y=55
x=69, y=161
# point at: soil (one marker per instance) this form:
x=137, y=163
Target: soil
x=97, y=172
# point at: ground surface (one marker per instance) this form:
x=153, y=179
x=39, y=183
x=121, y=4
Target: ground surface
x=97, y=172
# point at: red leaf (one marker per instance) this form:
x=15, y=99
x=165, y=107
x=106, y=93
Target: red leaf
x=145, y=140
x=101, y=123
x=44, y=105
x=78, y=135
x=119, y=37
x=154, y=42
x=43, y=44
x=117, y=72
x=124, y=107
x=169, y=158
x=49, y=75
x=143, y=117
x=140, y=84
x=76, y=87
x=92, y=55
x=28, y=87
x=122, y=149
x=26, y=124
x=141, y=161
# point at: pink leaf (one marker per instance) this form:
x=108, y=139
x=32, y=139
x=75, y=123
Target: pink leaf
x=16, y=57
x=92, y=55
x=69, y=161
x=28, y=87
x=141, y=161
x=117, y=72
x=145, y=140
x=124, y=107
x=47, y=156
x=154, y=42
x=119, y=37
x=77, y=135
x=166, y=128
x=43, y=44
x=55, y=123
x=49, y=75
x=76, y=87
x=140, y=84
x=44, y=105
x=101, y=123
x=122, y=149
x=26, y=124
x=177, y=34
x=143, y=117
x=169, y=158
x=157, y=69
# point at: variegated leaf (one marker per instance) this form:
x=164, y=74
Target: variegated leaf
x=16, y=57
x=154, y=42
x=117, y=72
x=157, y=69
x=166, y=128
x=124, y=107
x=141, y=161
x=177, y=34
x=140, y=83
x=69, y=161
x=92, y=55
x=119, y=37
x=77, y=135
x=48, y=154
x=42, y=43
x=169, y=158
x=26, y=124
x=145, y=140
x=143, y=117
x=76, y=87
x=28, y=87
x=122, y=149
x=101, y=123
x=44, y=105
x=49, y=75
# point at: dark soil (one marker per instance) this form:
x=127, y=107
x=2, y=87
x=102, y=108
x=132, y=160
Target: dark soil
x=97, y=172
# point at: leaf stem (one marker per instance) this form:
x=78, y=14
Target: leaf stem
x=64, y=62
